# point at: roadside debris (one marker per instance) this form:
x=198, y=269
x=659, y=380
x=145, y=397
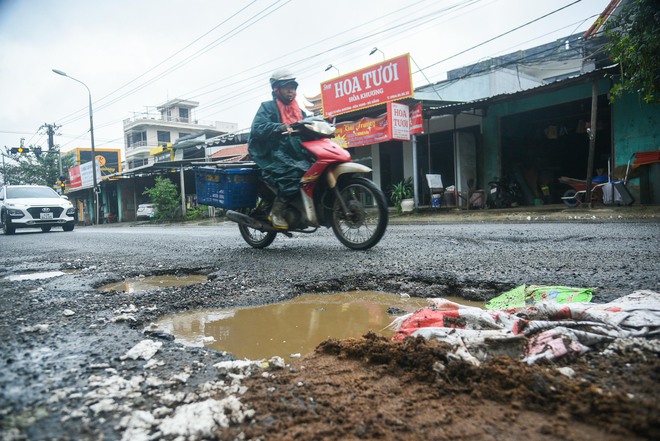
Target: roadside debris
x=530, y=294
x=144, y=349
x=545, y=330
x=41, y=328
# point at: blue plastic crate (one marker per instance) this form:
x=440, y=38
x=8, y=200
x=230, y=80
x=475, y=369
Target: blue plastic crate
x=229, y=188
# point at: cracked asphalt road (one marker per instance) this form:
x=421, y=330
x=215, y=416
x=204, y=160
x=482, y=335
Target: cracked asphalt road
x=64, y=344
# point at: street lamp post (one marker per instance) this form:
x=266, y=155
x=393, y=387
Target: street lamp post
x=374, y=50
x=95, y=189
x=330, y=66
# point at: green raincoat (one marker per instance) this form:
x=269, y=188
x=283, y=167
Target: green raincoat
x=282, y=158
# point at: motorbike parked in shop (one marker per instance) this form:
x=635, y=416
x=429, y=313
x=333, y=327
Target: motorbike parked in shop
x=504, y=193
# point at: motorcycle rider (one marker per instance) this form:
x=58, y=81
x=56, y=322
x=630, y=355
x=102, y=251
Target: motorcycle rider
x=279, y=154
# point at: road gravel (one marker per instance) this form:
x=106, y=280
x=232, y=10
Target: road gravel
x=78, y=363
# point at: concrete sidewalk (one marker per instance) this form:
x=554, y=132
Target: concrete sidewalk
x=543, y=213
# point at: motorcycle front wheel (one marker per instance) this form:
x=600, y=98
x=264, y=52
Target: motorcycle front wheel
x=363, y=223
x=255, y=238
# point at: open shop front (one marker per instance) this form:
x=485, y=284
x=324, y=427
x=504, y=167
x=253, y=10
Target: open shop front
x=454, y=154
x=540, y=146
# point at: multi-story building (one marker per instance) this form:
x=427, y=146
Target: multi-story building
x=169, y=122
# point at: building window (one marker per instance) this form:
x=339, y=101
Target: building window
x=137, y=163
x=163, y=136
x=183, y=115
x=136, y=139
x=182, y=134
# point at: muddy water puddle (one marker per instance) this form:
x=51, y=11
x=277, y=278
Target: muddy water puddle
x=291, y=328
x=152, y=282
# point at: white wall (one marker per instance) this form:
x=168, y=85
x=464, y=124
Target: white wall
x=408, y=166
x=479, y=86
x=375, y=165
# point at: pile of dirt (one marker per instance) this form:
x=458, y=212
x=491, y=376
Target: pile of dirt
x=373, y=388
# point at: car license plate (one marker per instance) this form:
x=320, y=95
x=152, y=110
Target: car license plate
x=46, y=216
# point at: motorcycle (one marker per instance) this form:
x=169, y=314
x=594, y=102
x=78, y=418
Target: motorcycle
x=503, y=193
x=332, y=195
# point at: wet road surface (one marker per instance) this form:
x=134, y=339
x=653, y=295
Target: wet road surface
x=65, y=344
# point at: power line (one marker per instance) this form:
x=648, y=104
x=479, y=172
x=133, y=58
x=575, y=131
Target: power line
x=228, y=99
x=253, y=83
x=471, y=72
x=251, y=21
x=503, y=34
x=233, y=32
x=398, y=28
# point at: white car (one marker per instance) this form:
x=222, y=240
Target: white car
x=146, y=211
x=34, y=206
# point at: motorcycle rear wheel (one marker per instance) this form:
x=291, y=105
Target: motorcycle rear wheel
x=255, y=238
x=365, y=223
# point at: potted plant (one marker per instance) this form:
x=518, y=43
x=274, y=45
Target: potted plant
x=401, y=195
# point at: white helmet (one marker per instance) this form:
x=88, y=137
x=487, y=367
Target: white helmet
x=281, y=78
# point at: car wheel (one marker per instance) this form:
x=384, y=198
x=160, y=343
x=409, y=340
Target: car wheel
x=7, y=228
x=68, y=227
x=45, y=229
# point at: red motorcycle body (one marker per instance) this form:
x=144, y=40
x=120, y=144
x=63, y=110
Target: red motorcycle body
x=327, y=152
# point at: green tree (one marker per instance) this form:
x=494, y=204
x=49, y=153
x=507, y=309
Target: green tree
x=33, y=168
x=165, y=195
x=634, y=42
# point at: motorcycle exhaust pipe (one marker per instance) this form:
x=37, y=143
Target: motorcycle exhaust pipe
x=251, y=222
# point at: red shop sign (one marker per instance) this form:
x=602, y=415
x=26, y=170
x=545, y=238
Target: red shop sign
x=381, y=83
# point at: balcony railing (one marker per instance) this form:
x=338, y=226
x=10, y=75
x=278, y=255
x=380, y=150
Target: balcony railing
x=137, y=144
x=175, y=119
x=155, y=119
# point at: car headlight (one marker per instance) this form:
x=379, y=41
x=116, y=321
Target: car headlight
x=70, y=211
x=15, y=212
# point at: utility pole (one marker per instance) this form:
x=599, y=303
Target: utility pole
x=4, y=169
x=592, y=140
x=51, y=129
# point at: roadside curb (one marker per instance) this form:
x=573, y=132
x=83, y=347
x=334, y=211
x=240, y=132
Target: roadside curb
x=551, y=213
x=547, y=213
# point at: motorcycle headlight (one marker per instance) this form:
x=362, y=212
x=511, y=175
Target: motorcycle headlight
x=321, y=127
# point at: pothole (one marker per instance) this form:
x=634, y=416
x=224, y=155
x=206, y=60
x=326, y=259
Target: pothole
x=291, y=328
x=145, y=283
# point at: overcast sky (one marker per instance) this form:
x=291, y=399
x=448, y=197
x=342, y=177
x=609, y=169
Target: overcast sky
x=137, y=54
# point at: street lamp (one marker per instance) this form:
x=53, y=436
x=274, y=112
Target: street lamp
x=374, y=50
x=330, y=66
x=91, y=132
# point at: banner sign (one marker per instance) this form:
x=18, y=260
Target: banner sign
x=397, y=124
x=75, y=180
x=398, y=121
x=108, y=159
x=165, y=156
x=366, y=131
x=381, y=83
x=416, y=119
x=82, y=176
